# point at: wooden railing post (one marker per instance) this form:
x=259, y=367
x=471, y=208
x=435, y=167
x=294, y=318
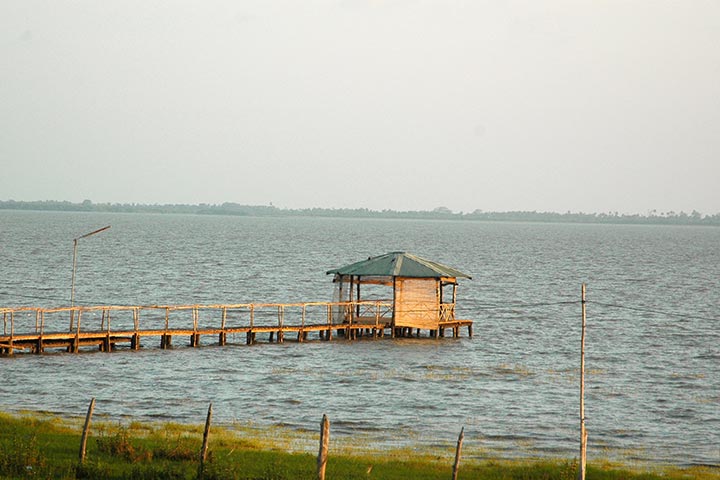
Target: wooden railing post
x=12, y=333
x=222, y=340
x=251, y=332
x=328, y=334
x=281, y=321
x=76, y=341
x=377, y=319
x=194, y=339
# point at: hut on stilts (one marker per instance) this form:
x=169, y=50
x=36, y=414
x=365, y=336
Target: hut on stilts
x=421, y=293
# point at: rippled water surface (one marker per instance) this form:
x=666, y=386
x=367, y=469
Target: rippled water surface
x=653, y=354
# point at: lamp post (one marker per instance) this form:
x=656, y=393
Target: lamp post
x=72, y=286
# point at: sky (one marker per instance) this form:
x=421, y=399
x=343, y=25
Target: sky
x=546, y=105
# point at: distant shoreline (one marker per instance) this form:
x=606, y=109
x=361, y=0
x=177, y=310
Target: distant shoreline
x=440, y=213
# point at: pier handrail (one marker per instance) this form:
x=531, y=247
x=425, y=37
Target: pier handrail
x=9, y=314
x=88, y=308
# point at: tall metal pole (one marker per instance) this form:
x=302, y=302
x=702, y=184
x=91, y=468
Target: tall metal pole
x=583, y=431
x=74, y=267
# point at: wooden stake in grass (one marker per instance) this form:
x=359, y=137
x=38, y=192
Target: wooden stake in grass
x=324, y=442
x=458, y=451
x=204, y=449
x=86, y=429
x=583, y=431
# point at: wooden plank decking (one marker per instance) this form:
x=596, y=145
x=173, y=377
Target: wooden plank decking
x=33, y=329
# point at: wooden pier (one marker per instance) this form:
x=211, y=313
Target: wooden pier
x=105, y=328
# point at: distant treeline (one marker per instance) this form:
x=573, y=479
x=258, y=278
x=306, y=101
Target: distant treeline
x=440, y=213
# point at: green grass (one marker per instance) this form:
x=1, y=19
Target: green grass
x=41, y=446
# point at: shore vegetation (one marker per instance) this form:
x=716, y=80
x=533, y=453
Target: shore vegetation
x=35, y=445
x=440, y=213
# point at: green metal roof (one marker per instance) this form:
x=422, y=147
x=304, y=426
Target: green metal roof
x=399, y=264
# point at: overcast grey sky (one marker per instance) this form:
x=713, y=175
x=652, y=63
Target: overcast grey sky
x=554, y=105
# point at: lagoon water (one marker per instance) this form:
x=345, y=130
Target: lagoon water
x=653, y=346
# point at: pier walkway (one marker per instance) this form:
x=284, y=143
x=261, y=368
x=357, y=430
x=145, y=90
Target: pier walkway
x=73, y=329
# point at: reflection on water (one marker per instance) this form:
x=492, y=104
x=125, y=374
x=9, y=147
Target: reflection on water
x=653, y=381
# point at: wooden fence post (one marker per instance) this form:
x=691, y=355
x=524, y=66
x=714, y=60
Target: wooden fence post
x=86, y=429
x=204, y=449
x=458, y=452
x=324, y=442
x=583, y=431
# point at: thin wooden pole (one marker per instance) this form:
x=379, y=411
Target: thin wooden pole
x=72, y=284
x=204, y=449
x=281, y=323
x=76, y=342
x=136, y=335
x=324, y=442
x=86, y=429
x=458, y=452
x=12, y=332
x=583, y=431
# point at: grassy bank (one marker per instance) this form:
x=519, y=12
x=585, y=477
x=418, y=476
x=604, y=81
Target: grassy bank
x=36, y=446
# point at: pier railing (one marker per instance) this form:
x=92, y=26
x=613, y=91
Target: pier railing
x=38, y=327
x=40, y=320
x=105, y=326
